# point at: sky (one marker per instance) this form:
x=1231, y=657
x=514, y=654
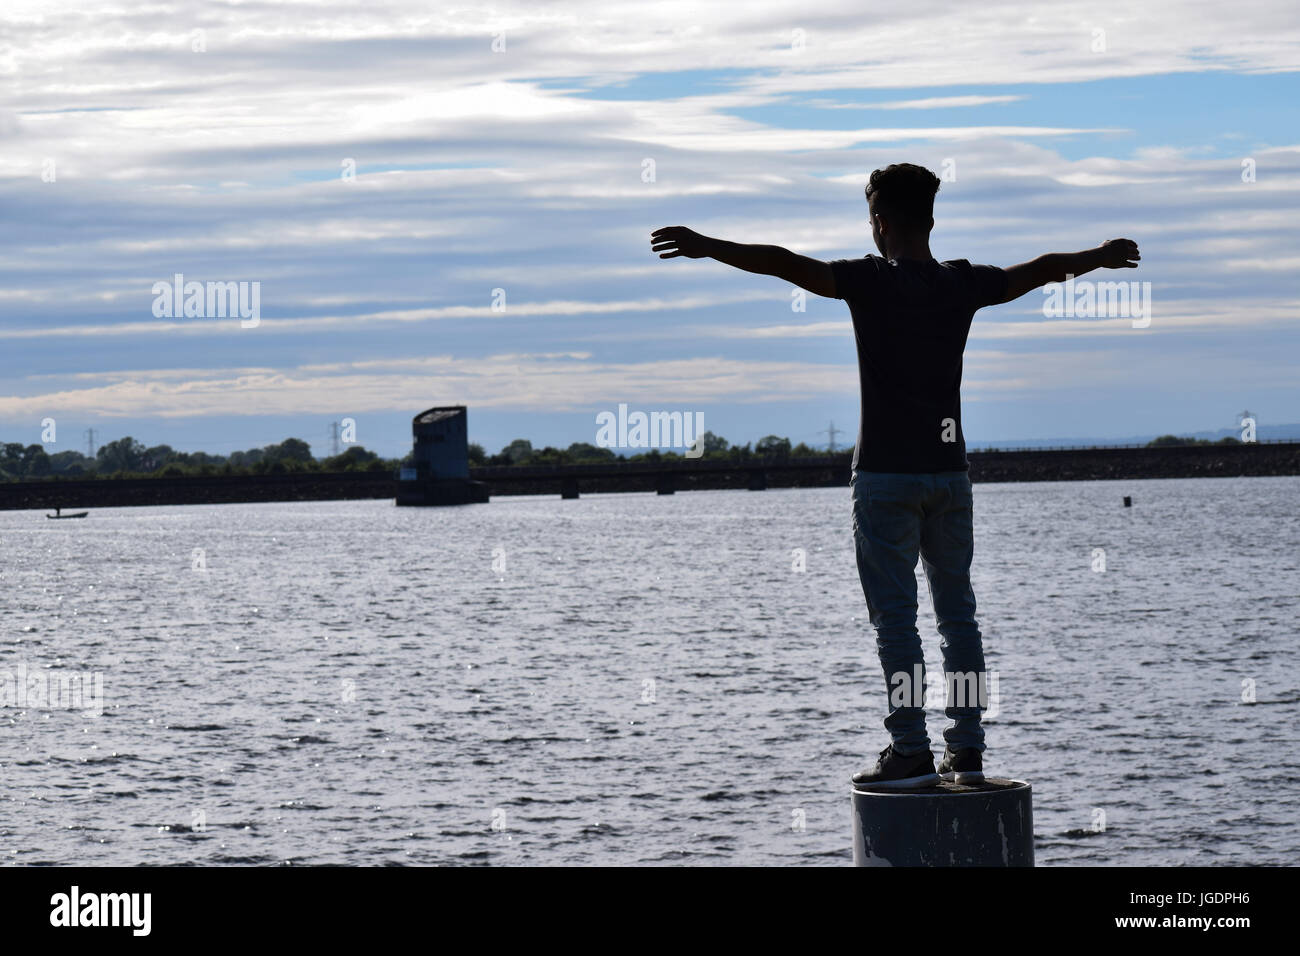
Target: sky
x=447, y=205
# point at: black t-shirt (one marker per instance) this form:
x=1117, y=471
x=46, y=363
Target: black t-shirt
x=910, y=320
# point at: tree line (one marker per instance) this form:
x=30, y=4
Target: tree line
x=1167, y=441
x=521, y=452
x=127, y=457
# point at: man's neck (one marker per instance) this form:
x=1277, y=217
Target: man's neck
x=909, y=250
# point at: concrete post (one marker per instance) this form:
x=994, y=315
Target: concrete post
x=986, y=824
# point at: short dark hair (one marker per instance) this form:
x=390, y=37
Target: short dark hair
x=904, y=193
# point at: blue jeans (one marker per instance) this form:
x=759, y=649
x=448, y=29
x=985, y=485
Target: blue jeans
x=895, y=518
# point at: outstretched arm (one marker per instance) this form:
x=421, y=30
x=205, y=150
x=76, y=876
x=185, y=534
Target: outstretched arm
x=1055, y=266
x=811, y=274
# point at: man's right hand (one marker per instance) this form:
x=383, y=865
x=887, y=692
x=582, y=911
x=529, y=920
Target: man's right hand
x=1119, y=254
x=673, y=241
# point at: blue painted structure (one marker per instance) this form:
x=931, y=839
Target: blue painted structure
x=440, y=472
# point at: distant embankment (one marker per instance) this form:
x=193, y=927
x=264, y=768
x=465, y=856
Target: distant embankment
x=1256, y=459
x=206, y=490
x=666, y=477
x=1063, y=464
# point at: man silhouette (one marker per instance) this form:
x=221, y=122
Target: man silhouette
x=910, y=487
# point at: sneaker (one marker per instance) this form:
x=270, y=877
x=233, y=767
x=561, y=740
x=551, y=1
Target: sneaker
x=894, y=771
x=964, y=766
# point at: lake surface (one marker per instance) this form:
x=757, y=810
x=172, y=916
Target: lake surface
x=634, y=679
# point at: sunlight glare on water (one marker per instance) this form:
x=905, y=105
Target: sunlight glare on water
x=635, y=679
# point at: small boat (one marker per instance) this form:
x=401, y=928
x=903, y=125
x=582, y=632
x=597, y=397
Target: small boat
x=58, y=513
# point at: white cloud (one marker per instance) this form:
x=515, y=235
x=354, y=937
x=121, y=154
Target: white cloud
x=515, y=381
x=479, y=169
x=928, y=103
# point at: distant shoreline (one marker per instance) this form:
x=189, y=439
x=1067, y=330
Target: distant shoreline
x=665, y=476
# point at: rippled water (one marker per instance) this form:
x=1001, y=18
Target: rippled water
x=639, y=679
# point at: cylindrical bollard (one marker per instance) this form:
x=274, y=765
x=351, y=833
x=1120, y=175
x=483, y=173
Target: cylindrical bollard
x=985, y=824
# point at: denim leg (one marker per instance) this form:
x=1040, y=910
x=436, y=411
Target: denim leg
x=947, y=547
x=887, y=536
